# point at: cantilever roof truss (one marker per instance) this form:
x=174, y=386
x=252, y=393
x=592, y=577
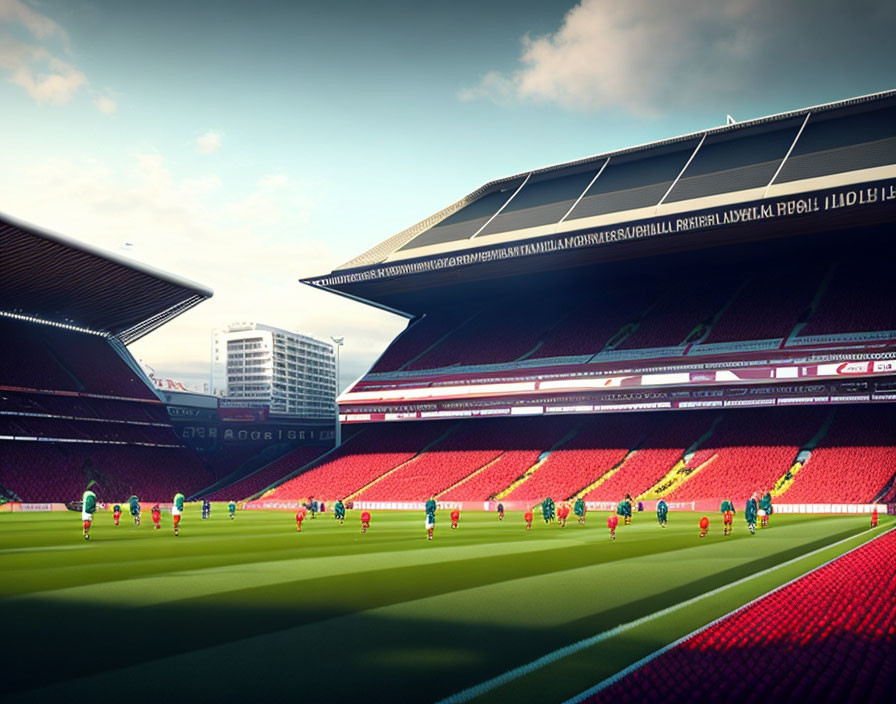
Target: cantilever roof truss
x=59, y=280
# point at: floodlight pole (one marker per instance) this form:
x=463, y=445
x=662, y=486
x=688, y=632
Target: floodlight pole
x=338, y=342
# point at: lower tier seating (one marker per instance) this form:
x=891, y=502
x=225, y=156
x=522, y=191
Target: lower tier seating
x=838, y=646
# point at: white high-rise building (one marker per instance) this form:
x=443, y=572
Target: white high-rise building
x=286, y=371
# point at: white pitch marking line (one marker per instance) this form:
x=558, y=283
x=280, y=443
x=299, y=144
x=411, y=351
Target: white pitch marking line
x=552, y=657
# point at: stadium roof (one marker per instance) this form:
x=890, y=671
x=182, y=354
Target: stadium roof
x=753, y=162
x=59, y=280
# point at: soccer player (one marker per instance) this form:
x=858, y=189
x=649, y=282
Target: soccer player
x=662, y=512
x=134, y=505
x=765, y=508
x=547, y=509
x=612, y=522
x=300, y=516
x=562, y=513
x=874, y=518
x=157, y=516
x=500, y=512
x=176, y=509
x=88, y=507
x=206, y=509
x=313, y=507
x=339, y=511
x=624, y=509
x=365, y=521
x=628, y=509
x=116, y=513
x=750, y=515
x=232, y=508
x=580, y=510
x=528, y=518
x=455, y=518
x=430, y=516
x=727, y=510
x=704, y=526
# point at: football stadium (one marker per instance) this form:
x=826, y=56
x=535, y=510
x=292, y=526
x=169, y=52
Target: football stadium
x=636, y=442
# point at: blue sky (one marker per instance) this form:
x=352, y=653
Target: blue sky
x=247, y=144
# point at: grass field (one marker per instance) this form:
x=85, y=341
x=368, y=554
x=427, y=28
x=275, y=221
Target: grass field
x=250, y=608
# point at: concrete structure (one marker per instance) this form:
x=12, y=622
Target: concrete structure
x=288, y=372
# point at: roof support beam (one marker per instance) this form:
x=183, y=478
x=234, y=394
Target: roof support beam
x=587, y=188
x=781, y=165
x=684, y=168
x=506, y=203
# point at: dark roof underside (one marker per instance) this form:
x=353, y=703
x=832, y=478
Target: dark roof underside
x=49, y=277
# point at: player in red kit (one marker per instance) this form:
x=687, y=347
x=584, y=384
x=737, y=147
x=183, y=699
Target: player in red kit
x=528, y=518
x=300, y=516
x=365, y=521
x=704, y=526
x=612, y=522
x=156, y=516
x=116, y=513
x=455, y=517
x=874, y=518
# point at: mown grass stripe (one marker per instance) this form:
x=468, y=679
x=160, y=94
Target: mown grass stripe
x=489, y=685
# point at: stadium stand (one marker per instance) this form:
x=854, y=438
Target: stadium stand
x=749, y=452
x=361, y=460
x=522, y=442
x=837, y=646
x=267, y=475
x=601, y=443
x=55, y=471
x=853, y=462
x=653, y=459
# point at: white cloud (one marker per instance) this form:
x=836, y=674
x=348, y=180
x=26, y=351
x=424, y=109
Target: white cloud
x=250, y=248
x=105, y=104
x=45, y=77
x=208, y=142
x=644, y=56
x=33, y=65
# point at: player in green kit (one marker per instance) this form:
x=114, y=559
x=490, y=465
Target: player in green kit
x=232, y=508
x=134, y=505
x=765, y=509
x=750, y=514
x=339, y=511
x=662, y=512
x=88, y=507
x=430, y=517
x=176, y=509
x=580, y=509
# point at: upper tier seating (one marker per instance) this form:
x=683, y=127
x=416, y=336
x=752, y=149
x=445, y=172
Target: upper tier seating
x=837, y=646
x=49, y=357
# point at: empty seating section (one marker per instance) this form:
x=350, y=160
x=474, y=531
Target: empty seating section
x=264, y=477
x=527, y=439
x=48, y=357
x=589, y=327
x=468, y=448
x=600, y=443
x=499, y=333
x=368, y=455
x=418, y=337
x=753, y=450
x=853, y=462
x=836, y=647
x=48, y=471
x=654, y=458
x=859, y=298
x=678, y=313
x=768, y=306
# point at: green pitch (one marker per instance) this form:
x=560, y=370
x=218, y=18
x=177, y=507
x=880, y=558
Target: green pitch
x=251, y=608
